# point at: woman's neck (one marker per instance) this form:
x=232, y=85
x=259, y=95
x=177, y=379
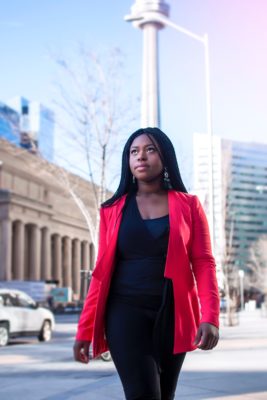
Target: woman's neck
x=147, y=189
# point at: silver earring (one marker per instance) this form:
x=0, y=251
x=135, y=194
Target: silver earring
x=166, y=179
x=133, y=179
x=166, y=175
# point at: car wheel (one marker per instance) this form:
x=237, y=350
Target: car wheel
x=106, y=356
x=46, y=332
x=4, y=334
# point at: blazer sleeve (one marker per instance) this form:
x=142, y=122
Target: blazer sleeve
x=87, y=318
x=203, y=265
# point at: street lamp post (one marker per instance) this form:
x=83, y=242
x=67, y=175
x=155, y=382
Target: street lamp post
x=241, y=279
x=85, y=276
x=145, y=13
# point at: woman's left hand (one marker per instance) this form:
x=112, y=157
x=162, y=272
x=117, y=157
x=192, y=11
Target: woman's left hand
x=207, y=336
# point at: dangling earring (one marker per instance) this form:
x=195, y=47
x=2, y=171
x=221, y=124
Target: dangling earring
x=166, y=179
x=166, y=175
x=133, y=179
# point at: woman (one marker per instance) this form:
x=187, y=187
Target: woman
x=153, y=295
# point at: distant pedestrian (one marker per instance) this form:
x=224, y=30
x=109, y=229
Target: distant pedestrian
x=50, y=302
x=153, y=295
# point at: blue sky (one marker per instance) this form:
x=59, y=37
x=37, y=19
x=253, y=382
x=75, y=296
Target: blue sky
x=31, y=30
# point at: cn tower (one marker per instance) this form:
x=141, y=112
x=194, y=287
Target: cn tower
x=144, y=15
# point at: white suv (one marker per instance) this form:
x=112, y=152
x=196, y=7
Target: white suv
x=20, y=315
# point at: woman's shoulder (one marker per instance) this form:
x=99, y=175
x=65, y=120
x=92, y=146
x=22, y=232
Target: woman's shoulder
x=187, y=197
x=186, y=200
x=110, y=208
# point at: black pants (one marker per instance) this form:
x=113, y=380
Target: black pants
x=147, y=367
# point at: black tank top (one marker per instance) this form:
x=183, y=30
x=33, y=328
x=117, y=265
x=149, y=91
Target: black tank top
x=141, y=255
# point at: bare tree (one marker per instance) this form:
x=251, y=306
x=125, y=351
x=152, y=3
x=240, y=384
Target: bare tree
x=95, y=115
x=230, y=276
x=258, y=265
x=95, y=111
x=230, y=273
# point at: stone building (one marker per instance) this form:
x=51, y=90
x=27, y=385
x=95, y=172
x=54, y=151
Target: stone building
x=43, y=234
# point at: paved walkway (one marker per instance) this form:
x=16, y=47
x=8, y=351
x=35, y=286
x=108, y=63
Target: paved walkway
x=235, y=370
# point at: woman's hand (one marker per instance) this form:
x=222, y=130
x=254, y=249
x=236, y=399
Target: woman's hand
x=81, y=351
x=207, y=336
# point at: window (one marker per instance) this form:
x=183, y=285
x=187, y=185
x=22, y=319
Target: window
x=25, y=301
x=9, y=300
x=24, y=110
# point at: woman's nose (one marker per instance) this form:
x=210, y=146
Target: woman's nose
x=142, y=155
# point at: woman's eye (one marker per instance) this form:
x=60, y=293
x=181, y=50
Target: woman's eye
x=151, y=149
x=133, y=151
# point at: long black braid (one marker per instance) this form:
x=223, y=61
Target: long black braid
x=168, y=158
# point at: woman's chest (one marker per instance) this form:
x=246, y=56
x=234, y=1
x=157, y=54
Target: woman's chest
x=152, y=207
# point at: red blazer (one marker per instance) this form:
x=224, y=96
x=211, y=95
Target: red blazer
x=189, y=264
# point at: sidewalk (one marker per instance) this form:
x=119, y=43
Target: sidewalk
x=235, y=370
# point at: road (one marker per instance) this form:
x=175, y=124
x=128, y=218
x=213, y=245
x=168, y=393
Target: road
x=235, y=370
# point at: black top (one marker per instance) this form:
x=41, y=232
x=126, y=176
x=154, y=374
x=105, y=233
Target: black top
x=141, y=255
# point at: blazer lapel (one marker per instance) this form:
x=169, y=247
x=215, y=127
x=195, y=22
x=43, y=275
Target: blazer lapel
x=178, y=228
x=113, y=221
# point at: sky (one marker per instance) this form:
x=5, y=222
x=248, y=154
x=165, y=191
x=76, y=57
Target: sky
x=32, y=30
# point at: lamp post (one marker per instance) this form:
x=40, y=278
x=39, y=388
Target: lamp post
x=155, y=13
x=241, y=282
x=85, y=276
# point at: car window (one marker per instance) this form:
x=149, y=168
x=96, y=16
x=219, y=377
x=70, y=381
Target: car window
x=9, y=300
x=1, y=301
x=25, y=301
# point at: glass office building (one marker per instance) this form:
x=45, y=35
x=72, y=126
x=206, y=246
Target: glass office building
x=41, y=121
x=240, y=194
x=34, y=127
x=9, y=124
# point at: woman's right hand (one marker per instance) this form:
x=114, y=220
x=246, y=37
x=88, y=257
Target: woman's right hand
x=81, y=351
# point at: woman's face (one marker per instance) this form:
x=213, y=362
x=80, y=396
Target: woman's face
x=144, y=160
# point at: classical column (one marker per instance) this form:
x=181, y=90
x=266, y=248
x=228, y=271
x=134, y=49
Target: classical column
x=5, y=249
x=46, y=255
x=92, y=256
x=35, y=253
x=66, y=262
x=85, y=256
x=57, y=259
x=76, y=267
x=27, y=242
x=18, y=251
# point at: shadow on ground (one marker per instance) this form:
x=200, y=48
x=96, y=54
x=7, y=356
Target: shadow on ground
x=197, y=385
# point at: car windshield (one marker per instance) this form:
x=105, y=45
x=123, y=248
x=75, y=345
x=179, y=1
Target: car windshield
x=14, y=299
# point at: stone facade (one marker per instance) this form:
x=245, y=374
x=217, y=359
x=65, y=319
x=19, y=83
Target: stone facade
x=43, y=234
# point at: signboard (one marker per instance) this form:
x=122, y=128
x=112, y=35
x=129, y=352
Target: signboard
x=61, y=295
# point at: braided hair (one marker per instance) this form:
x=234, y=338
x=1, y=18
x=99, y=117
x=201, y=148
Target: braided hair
x=168, y=158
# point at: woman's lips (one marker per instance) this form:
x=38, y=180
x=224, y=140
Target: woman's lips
x=141, y=167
